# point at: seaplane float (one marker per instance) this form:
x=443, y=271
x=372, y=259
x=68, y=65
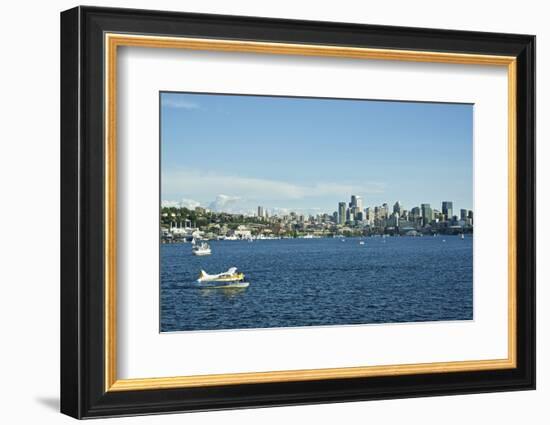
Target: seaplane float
x=231, y=278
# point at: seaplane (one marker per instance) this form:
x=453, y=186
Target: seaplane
x=229, y=279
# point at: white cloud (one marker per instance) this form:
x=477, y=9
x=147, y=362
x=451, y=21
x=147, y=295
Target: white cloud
x=189, y=203
x=223, y=203
x=184, y=203
x=170, y=204
x=306, y=211
x=179, y=103
x=198, y=183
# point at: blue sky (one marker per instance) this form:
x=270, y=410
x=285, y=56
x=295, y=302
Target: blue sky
x=231, y=152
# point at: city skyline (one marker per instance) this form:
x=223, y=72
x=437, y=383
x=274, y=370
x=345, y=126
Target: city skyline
x=353, y=218
x=230, y=152
x=217, y=206
x=439, y=207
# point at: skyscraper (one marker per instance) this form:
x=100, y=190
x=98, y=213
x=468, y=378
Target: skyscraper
x=369, y=215
x=393, y=220
x=260, y=211
x=357, y=202
x=397, y=208
x=447, y=209
x=341, y=212
x=385, y=211
x=427, y=214
x=463, y=214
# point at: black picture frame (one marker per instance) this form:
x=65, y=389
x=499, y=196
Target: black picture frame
x=83, y=392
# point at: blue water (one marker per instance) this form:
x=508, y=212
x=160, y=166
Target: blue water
x=313, y=282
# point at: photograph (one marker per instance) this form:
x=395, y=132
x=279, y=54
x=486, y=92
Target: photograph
x=284, y=211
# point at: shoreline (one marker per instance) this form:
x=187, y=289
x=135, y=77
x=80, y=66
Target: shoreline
x=383, y=236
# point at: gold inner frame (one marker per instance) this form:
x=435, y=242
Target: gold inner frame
x=113, y=41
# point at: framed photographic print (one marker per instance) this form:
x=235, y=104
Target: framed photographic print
x=261, y=212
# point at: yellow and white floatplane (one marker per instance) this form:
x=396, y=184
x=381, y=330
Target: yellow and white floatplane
x=231, y=278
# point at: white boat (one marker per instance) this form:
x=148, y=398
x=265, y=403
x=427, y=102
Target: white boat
x=462, y=236
x=202, y=249
x=362, y=243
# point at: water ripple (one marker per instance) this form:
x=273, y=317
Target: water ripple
x=317, y=282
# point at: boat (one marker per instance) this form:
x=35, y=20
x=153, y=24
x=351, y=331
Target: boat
x=231, y=275
x=462, y=236
x=362, y=243
x=201, y=249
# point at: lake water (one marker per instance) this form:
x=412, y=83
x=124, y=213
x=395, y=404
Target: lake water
x=318, y=282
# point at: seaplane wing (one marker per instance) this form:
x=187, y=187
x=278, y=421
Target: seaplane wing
x=205, y=277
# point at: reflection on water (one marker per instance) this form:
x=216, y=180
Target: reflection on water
x=227, y=292
x=316, y=282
